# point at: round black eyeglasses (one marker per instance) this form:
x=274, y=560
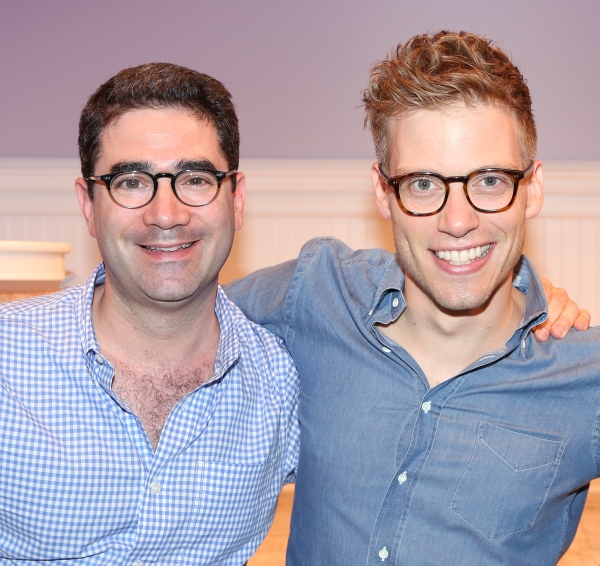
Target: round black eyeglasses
x=134, y=189
x=487, y=190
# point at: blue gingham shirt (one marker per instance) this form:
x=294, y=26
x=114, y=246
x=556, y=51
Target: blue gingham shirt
x=79, y=481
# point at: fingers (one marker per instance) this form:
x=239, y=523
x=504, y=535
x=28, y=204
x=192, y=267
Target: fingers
x=563, y=313
x=565, y=321
x=558, y=322
x=541, y=332
x=582, y=322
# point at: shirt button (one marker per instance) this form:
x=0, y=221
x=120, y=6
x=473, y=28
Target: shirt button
x=155, y=488
x=395, y=303
x=426, y=406
x=99, y=359
x=402, y=478
x=383, y=553
x=386, y=350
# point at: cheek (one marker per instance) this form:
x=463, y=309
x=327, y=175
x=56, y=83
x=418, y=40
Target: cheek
x=221, y=220
x=511, y=222
x=414, y=234
x=406, y=248
x=518, y=237
x=111, y=230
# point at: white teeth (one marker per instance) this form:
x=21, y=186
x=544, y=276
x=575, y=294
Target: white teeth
x=173, y=249
x=463, y=257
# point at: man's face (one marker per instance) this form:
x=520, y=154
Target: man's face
x=457, y=141
x=165, y=251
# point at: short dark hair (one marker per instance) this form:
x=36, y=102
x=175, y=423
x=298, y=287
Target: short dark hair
x=440, y=70
x=157, y=85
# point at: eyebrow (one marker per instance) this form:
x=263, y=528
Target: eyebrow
x=128, y=166
x=187, y=165
x=403, y=172
x=148, y=166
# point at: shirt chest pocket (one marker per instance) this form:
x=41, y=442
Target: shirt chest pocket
x=506, y=481
x=233, y=506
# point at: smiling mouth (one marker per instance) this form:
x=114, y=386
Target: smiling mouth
x=171, y=249
x=463, y=257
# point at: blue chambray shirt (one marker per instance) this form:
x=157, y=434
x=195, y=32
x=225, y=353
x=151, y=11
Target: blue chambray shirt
x=489, y=467
x=79, y=481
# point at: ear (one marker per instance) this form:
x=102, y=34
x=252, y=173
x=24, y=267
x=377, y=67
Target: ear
x=382, y=193
x=535, y=191
x=86, y=204
x=239, y=198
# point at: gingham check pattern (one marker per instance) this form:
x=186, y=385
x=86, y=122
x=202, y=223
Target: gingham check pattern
x=78, y=478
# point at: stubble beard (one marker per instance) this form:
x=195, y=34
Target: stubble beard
x=465, y=295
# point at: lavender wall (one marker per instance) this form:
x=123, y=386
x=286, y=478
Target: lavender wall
x=295, y=69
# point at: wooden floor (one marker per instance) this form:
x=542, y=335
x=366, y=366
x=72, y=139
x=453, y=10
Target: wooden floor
x=585, y=550
x=272, y=551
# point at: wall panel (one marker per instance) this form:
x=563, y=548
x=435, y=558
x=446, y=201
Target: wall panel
x=291, y=201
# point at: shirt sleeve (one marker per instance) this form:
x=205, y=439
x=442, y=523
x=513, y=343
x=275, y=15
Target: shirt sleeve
x=290, y=396
x=262, y=296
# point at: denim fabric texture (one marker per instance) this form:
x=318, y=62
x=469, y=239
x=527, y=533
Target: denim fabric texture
x=489, y=467
x=79, y=481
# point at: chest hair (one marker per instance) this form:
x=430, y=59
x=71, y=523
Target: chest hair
x=152, y=395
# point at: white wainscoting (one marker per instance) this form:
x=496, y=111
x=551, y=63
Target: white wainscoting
x=290, y=201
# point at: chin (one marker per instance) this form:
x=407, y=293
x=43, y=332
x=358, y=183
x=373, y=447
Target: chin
x=460, y=305
x=460, y=299
x=170, y=293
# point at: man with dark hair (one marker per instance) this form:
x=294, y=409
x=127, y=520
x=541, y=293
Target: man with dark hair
x=434, y=428
x=143, y=419
x=158, y=85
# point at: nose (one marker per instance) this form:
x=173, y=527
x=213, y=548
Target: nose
x=458, y=217
x=165, y=210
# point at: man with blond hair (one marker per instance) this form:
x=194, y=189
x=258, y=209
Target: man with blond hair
x=434, y=428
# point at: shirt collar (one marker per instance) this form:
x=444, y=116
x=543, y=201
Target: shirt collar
x=527, y=281
x=229, y=343
x=84, y=309
x=384, y=308
x=227, y=352
x=390, y=288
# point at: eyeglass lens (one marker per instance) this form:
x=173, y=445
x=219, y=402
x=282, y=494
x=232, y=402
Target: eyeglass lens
x=195, y=188
x=424, y=194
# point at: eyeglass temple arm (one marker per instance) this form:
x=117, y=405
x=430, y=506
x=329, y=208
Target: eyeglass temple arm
x=382, y=174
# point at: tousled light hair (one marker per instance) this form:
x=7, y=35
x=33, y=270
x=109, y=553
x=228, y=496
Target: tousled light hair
x=438, y=71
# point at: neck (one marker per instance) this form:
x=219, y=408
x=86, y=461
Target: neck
x=445, y=342
x=155, y=333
